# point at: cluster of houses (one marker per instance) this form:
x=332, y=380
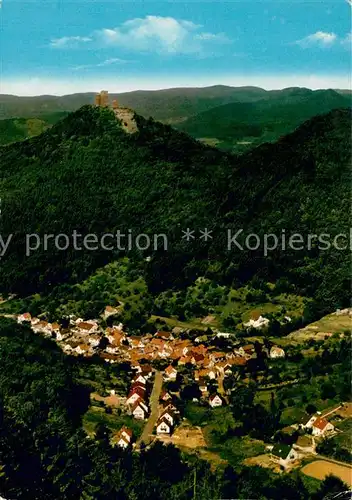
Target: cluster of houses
x=313, y=426
x=168, y=415
x=114, y=345
x=137, y=399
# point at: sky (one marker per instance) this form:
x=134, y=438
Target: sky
x=65, y=46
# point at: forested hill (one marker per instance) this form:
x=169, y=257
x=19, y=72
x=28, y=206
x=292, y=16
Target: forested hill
x=18, y=129
x=240, y=125
x=86, y=174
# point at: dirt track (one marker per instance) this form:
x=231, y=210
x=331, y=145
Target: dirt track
x=321, y=468
x=154, y=403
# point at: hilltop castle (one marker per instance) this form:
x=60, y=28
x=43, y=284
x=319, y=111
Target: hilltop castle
x=124, y=115
x=102, y=100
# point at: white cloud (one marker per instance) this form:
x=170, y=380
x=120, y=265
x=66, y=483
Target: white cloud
x=320, y=38
x=347, y=41
x=163, y=35
x=107, y=62
x=69, y=41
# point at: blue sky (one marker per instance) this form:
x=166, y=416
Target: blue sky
x=60, y=47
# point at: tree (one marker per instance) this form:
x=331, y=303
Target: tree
x=190, y=392
x=241, y=401
x=310, y=409
x=330, y=487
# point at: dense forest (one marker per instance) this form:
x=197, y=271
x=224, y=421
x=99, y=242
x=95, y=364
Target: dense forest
x=44, y=453
x=239, y=126
x=18, y=129
x=86, y=174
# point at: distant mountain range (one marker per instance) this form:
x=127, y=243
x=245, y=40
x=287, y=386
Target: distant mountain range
x=231, y=118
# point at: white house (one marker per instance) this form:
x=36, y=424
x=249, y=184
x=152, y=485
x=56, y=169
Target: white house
x=124, y=437
x=257, y=323
x=224, y=335
x=165, y=396
x=140, y=378
x=42, y=327
x=321, y=427
x=276, y=352
x=24, y=317
x=62, y=335
x=109, y=311
x=87, y=327
x=137, y=392
x=168, y=415
x=82, y=349
x=139, y=410
x=215, y=400
x=308, y=422
x=94, y=340
x=170, y=373
x=283, y=454
x=163, y=426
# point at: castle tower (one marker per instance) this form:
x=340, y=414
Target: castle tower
x=104, y=98
x=115, y=104
x=97, y=100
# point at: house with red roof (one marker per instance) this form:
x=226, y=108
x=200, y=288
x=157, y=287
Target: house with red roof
x=168, y=415
x=165, y=396
x=139, y=410
x=85, y=327
x=139, y=378
x=321, y=427
x=123, y=438
x=137, y=392
x=163, y=426
x=21, y=318
x=215, y=401
x=164, y=335
x=170, y=373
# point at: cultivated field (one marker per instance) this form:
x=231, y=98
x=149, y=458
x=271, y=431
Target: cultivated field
x=321, y=468
x=320, y=329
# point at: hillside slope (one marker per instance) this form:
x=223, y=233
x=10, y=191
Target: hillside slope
x=86, y=174
x=240, y=125
x=18, y=129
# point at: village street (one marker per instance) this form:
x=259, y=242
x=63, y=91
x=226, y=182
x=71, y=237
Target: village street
x=153, y=403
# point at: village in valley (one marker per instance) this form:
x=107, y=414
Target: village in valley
x=166, y=364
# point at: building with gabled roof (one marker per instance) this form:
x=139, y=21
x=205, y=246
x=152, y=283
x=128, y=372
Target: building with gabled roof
x=87, y=327
x=139, y=410
x=276, y=352
x=164, y=335
x=283, y=454
x=163, y=426
x=170, y=373
x=215, y=400
x=123, y=438
x=24, y=317
x=321, y=426
x=169, y=415
x=136, y=393
x=165, y=396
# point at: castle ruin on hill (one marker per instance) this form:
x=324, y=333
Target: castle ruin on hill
x=124, y=115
